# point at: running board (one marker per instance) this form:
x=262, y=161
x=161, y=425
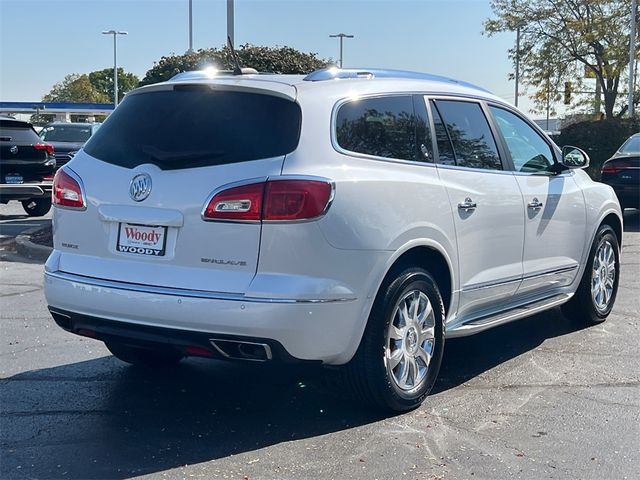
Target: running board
x=484, y=323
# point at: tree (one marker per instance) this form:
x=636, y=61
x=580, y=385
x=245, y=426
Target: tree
x=102, y=81
x=263, y=59
x=562, y=38
x=75, y=88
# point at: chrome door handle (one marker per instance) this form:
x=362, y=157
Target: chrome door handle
x=467, y=205
x=535, y=204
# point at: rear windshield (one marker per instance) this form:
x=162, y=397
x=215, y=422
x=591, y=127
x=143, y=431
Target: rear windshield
x=17, y=132
x=194, y=126
x=632, y=145
x=66, y=133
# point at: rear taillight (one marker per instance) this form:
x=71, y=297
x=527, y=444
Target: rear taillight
x=67, y=191
x=44, y=146
x=273, y=200
x=615, y=166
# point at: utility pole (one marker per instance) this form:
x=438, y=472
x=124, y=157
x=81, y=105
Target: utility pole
x=190, y=27
x=341, y=36
x=517, y=61
x=115, y=63
x=230, y=22
x=632, y=54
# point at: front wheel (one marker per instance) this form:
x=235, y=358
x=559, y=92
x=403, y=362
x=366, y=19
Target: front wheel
x=36, y=207
x=399, y=357
x=596, y=294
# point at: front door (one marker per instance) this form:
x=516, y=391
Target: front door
x=554, y=208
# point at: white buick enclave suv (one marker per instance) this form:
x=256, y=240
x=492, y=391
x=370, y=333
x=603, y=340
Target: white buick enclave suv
x=353, y=218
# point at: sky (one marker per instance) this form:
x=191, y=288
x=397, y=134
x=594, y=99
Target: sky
x=41, y=41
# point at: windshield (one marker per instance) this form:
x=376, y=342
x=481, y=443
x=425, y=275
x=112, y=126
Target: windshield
x=66, y=133
x=632, y=145
x=195, y=126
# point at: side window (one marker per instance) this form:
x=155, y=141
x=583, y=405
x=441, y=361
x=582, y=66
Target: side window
x=529, y=151
x=445, y=150
x=468, y=129
x=424, y=143
x=382, y=126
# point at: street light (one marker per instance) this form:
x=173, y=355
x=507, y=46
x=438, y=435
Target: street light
x=190, y=27
x=632, y=54
x=517, y=61
x=341, y=36
x=115, y=33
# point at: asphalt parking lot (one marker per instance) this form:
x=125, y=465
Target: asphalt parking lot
x=539, y=398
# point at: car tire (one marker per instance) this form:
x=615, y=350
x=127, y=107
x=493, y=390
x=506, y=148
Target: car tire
x=598, y=287
x=144, y=357
x=36, y=207
x=389, y=370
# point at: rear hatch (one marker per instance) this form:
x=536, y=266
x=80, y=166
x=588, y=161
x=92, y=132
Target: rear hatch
x=623, y=171
x=23, y=156
x=149, y=171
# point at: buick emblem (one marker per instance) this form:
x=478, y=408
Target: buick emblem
x=14, y=149
x=140, y=187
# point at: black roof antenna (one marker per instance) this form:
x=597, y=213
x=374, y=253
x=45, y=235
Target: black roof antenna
x=237, y=70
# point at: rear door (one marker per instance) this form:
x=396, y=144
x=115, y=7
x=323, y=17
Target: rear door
x=486, y=204
x=148, y=173
x=554, y=207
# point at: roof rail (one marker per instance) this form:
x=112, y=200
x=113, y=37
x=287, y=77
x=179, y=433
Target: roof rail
x=334, y=73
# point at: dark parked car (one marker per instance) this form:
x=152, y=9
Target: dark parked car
x=67, y=138
x=27, y=165
x=622, y=172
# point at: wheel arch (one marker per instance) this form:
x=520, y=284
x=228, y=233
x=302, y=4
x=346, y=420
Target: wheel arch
x=615, y=222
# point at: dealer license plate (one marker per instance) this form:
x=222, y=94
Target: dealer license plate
x=11, y=178
x=142, y=239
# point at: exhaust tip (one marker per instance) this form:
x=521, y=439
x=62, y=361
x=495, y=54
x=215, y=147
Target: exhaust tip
x=239, y=350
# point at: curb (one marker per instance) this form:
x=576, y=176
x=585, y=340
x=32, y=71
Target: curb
x=26, y=248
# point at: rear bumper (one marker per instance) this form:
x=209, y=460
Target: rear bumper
x=325, y=331
x=24, y=191
x=628, y=195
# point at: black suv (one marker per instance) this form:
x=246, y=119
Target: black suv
x=26, y=167
x=67, y=138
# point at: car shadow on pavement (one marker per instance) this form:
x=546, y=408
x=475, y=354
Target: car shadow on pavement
x=103, y=419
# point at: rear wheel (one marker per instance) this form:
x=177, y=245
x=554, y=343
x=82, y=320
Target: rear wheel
x=596, y=294
x=146, y=357
x=36, y=207
x=399, y=357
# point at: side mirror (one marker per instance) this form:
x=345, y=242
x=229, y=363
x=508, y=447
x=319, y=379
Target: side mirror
x=574, y=157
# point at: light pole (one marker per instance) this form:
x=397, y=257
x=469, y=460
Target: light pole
x=632, y=53
x=230, y=22
x=190, y=27
x=341, y=36
x=517, y=61
x=115, y=33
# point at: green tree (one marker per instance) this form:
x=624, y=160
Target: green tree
x=75, y=88
x=560, y=38
x=263, y=59
x=102, y=81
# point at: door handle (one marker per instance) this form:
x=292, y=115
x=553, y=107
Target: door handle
x=467, y=205
x=535, y=204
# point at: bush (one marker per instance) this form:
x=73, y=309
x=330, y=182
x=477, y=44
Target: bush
x=600, y=139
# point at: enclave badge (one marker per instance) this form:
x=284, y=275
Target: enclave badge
x=140, y=187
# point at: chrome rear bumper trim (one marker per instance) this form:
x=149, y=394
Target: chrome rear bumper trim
x=181, y=292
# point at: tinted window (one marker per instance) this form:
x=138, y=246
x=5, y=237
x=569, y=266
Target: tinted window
x=17, y=132
x=631, y=146
x=529, y=151
x=384, y=127
x=66, y=133
x=468, y=129
x=445, y=150
x=194, y=126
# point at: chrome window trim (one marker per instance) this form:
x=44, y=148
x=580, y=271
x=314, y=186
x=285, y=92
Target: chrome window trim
x=183, y=292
